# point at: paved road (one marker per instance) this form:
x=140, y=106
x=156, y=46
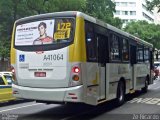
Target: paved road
x=138, y=106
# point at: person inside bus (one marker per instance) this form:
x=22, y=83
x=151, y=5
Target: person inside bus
x=43, y=38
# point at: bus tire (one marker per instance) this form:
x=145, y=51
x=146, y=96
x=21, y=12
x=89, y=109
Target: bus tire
x=145, y=88
x=120, y=93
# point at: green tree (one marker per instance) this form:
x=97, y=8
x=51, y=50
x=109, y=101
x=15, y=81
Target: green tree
x=103, y=9
x=145, y=31
x=11, y=10
x=46, y=6
x=152, y=4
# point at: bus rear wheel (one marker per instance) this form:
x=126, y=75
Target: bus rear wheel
x=120, y=93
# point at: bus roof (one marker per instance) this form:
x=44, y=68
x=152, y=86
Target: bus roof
x=86, y=17
x=110, y=27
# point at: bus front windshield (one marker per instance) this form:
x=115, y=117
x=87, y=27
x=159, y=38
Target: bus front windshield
x=50, y=31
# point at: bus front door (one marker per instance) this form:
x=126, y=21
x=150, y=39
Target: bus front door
x=133, y=61
x=102, y=58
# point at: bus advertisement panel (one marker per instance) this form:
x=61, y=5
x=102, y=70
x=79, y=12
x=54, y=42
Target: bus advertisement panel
x=34, y=33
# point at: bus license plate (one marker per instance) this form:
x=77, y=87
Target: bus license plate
x=40, y=74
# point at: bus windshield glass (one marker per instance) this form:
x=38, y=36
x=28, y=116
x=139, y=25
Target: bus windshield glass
x=44, y=32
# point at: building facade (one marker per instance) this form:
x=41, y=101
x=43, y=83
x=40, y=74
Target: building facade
x=156, y=16
x=133, y=10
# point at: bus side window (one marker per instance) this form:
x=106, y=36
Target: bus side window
x=146, y=54
x=115, y=47
x=125, y=50
x=140, y=53
x=91, y=43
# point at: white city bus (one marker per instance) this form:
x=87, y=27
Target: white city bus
x=70, y=57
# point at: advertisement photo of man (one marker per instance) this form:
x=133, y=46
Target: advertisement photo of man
x=43, y=38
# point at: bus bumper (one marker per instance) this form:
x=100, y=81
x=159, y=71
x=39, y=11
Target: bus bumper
x=72, y=94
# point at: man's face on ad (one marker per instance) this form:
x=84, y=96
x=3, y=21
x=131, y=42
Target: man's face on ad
x=42, y=30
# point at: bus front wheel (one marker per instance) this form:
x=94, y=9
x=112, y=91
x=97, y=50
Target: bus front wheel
x=120, y=93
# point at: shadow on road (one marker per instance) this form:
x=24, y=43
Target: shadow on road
x=69, y=112
x=76, y=111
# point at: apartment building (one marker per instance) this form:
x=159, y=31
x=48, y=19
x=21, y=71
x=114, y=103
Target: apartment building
x=156, y=16
x=133, y=10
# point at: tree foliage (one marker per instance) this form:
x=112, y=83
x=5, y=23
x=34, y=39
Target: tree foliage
x=103, y=9
x=152, y=4
x=46, y=6
x=11, y=10
x=145, y=31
